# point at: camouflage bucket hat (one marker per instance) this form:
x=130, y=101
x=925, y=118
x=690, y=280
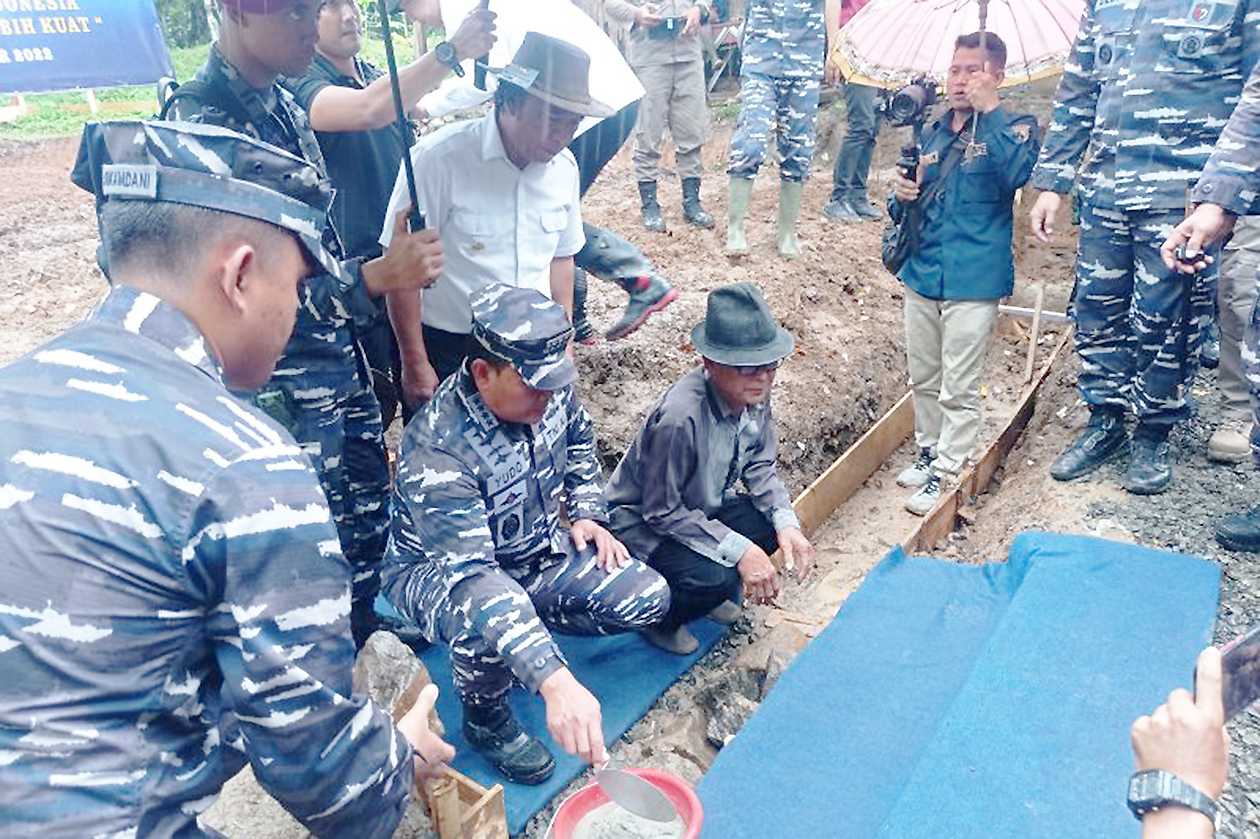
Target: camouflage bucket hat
x=528, y=330
x=207, y=166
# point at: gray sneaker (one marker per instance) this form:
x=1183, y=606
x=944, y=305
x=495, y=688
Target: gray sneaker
x=865, y=210
x=725, y=613
x=916, y=474
x=922, y=502
x=838, y=209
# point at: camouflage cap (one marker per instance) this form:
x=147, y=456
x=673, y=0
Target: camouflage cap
x=258, y=7
x=528, y=330
x=207, y=166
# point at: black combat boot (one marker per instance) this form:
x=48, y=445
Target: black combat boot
x=500, y=739
x=1103, y=439
x=1241, y=531
x=693, y=211
x=1149, y=470
x=652, y=219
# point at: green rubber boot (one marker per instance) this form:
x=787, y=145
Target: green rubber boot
x=789, y=211
x=737, y=208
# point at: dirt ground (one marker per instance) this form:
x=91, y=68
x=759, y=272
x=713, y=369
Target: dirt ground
x=845, y=311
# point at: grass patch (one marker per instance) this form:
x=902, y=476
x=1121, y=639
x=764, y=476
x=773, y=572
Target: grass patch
x=64, y=113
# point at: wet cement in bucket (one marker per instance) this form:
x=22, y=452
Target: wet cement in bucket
x=610, y=821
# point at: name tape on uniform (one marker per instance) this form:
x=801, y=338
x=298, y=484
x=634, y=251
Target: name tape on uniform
x=129, y=179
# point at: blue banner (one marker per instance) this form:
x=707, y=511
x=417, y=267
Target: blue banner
x=59, y=44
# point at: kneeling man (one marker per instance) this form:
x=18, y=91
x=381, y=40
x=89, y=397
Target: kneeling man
x=478, y=557
x=673, y=498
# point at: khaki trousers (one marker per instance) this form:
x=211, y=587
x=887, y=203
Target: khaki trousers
x=675, y=99
x=946, y=342
x=1236, y=292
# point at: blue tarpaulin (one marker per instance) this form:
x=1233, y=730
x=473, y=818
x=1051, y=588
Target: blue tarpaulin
x=59, y=44
x=971, y=701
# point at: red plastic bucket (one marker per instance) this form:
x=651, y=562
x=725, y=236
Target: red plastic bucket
x=589, y=797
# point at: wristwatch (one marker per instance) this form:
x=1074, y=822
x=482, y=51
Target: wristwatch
x=1154, y=789
x=445, y=53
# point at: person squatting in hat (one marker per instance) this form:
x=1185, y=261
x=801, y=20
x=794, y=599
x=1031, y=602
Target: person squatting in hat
x=321, y=390
x=153, y=526
x=675, y=500
x=503, y=191
x=477, y=554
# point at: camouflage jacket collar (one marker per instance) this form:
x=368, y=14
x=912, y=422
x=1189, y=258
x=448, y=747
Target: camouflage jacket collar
x=480, y=412
x=142, y=313
x=274, y=106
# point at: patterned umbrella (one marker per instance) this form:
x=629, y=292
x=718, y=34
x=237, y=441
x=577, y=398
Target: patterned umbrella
x=890, y=41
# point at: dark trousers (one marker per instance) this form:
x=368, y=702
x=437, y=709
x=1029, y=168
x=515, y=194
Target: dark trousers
x=446, y=350
x=595, y=147
x=853, y=162
x=697, y=583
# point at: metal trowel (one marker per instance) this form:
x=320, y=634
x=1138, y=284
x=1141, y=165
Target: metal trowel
x=634, y=794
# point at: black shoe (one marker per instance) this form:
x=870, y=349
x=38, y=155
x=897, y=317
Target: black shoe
x=838, y=209
x=1149, y=471
x=522, y=758
x=1241, y=531
x=1210, y=355
x=1102, y=440
x=652, y=219
x=864, y=208
x=693, y=211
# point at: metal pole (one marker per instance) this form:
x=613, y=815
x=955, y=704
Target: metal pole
x=415, y=219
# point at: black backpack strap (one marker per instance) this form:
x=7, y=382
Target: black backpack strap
x=205, y=94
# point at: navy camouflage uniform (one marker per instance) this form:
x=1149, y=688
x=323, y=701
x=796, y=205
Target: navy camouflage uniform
x=175, y=596
x=1143, y=97
x=322, y=389
x=780, y=76
x=477, y=555
x=1231, y=179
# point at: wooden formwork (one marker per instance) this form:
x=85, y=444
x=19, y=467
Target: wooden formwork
x=461, y=808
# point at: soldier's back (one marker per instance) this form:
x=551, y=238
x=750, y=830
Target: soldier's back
x=116, y=442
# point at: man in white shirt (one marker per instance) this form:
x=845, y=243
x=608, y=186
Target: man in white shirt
x=607, y=255
x=503, y=193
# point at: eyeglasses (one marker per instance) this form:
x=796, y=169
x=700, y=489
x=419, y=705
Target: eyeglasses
x=757, y=370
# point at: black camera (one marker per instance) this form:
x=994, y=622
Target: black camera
x=910, y=104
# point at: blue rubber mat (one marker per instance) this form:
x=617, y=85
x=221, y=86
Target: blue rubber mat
x=624, y=672
x=970, y=701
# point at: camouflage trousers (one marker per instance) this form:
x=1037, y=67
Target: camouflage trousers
x=570, y=594
x=768, y=104
x=1139, y=326
x=335, y=417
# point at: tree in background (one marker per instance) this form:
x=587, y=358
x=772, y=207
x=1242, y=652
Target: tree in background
x=187, y=23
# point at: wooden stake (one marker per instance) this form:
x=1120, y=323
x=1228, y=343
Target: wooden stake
x=1033, y=334
x=93, y=105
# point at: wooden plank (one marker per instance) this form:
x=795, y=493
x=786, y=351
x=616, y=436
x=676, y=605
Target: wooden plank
x=461, y=808
x=1022, y=312
x=1033, y=334
x=943, y=518
x=843, y=477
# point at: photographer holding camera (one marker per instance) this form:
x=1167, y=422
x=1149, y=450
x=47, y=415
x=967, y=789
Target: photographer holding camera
x=665, y=51
x=970, y=163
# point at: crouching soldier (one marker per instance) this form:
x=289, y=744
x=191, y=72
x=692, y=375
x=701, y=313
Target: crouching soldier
x=673, y=498
x=175, y=600
x=477, y=556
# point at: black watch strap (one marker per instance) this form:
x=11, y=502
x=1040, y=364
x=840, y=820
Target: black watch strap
x=1153, y=789
x=445, y=53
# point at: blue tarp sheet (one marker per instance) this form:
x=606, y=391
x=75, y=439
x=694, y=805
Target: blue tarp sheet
x=971, y=701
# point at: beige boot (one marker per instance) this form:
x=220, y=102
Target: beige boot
x=789, y=211
x=739, y=193
x=1230, y=442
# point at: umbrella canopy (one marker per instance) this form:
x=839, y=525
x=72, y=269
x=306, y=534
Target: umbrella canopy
x=890, y=41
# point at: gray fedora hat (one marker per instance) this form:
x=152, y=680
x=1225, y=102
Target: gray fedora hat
x=739, y=330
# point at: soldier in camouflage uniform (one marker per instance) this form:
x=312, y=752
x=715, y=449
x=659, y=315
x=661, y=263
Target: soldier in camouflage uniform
x=322, y=388
x=153, y=526
x=1229, y=188
x=477, y=555
x=780, y=75
x=665, y=51
x=1141, y=103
